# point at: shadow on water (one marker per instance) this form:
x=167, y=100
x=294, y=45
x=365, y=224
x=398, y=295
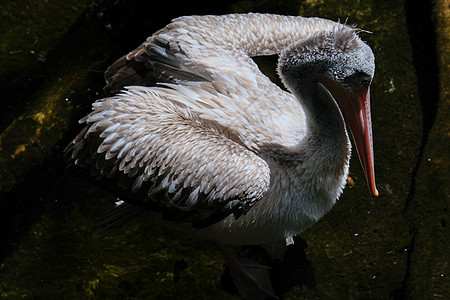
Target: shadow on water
x=423, y=42
x=422, y=36
x=43, y=191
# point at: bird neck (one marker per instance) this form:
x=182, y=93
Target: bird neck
x=323, y=113
x=326, y=135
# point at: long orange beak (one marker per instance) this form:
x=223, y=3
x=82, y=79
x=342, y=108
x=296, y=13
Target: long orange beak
x=355, y=108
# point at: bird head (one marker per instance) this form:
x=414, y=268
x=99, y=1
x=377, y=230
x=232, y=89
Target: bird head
x=341, y=64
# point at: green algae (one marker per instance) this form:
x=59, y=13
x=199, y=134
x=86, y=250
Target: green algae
x=363, y=249
x=28, y=140
x=63, y=257
x=29, y=30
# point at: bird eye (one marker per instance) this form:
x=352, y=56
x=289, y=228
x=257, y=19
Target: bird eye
x=359, y=79
x=364, y=81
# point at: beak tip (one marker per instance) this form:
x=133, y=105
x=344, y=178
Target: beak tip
x=375, y=193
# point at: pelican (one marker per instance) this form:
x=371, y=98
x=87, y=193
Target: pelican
x=194, y=129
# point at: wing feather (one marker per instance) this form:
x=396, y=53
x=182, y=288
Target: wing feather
x=167, y=151
x=189, y=61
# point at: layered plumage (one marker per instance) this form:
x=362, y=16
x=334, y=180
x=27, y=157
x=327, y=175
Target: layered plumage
x=198, y=131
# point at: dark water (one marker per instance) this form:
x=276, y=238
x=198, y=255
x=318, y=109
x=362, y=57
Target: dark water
x=390, y=247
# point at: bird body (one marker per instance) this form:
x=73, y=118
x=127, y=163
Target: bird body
x=198, y=131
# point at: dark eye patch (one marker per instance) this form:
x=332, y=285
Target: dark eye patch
x=360, y=79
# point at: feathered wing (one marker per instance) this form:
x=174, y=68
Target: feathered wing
x=168, y=58
x=190, y=55
x=196, y=48
x=158, y=60
x=191, y=134
x=158, y=147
